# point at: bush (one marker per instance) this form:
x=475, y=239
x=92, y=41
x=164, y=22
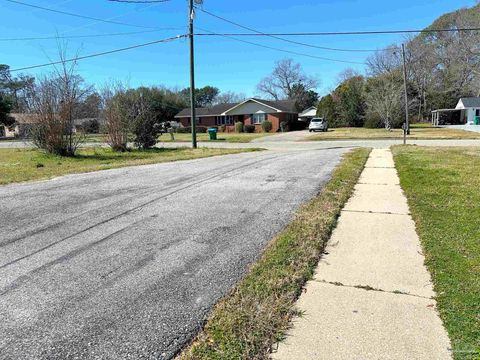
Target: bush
x=91, y=126
x=146, y=132
x=249, y=128
x=372, y=122
x=267, y=126
x=239, y=127
x=222, y=128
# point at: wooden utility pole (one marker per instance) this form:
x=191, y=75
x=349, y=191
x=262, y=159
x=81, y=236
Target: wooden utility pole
x=406, y=127
x=193, y=123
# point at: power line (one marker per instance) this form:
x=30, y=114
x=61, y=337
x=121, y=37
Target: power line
x=88, y=36
x=78, y=15
x=341, y=33
x=280, y=38
x=282, y=50
x=101, y=53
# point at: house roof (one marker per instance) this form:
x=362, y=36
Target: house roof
x=215, y=110
x=470, y=102
x=22, y=118
x=311, y=111
x=220, y=109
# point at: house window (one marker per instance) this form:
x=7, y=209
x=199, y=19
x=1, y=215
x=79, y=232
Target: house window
x=224, y=120
x=258, y=118
x=477, y=112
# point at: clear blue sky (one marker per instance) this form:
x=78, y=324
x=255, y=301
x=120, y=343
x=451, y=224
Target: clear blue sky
x=220, y=62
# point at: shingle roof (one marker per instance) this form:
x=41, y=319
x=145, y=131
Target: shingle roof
x=471, y=102
x=282, y=105
x=23, y=118
x=211, y=111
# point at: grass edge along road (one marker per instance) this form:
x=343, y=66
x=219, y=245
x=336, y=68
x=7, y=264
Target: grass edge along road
x=257, y=312
x=417, y=132
x=186, y=137
x=18, y=165
x=442, y=188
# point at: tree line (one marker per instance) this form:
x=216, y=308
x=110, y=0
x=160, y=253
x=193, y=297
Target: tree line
x=441, y=68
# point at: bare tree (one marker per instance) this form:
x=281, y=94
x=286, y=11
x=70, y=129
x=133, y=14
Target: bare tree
x=229, y=97
x=280, y=84
x=54, y=99
x=383, y=98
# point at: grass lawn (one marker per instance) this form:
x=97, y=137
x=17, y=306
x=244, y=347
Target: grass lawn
x=443, y=190
x=417, y=132
x=256, y=314
x=29, y=164
x=222, y=137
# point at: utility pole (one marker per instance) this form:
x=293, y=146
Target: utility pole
x=193, y=122
x=406, y=127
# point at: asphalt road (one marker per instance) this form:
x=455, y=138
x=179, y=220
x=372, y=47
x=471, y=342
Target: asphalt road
x=126, y=263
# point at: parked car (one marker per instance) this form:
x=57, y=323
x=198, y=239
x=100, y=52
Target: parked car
x=318, y=124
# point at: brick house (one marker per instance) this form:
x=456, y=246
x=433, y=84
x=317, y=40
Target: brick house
x=250, y=112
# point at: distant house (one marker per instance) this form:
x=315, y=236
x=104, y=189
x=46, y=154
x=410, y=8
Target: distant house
x=21, y=126
x=250, y=112
x=467, y=112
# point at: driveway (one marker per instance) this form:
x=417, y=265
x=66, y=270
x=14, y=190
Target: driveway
x=127, y=263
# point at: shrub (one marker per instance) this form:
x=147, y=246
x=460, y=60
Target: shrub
x=239, y=127
x=91, y=126
x=146, y=132
x=222, y=128
x=249, y=128
x=372, y=122
x=267, y=126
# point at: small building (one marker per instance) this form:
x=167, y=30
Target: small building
x=467, y=112
x=21, y=126
x=252, y=111
x=308, y=114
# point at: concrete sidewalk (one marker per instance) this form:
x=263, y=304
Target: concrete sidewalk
x=371, y=297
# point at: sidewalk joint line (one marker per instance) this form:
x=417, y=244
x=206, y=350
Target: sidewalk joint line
x=369, y=288
x=379, y=167
x=375, y=212
x=363, y=183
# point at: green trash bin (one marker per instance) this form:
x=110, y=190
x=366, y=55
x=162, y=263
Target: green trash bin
x=476, y=121
x=212, y=132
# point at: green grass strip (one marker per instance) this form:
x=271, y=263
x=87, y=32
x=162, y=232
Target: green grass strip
x=256, y=314
x=18, y=165
x=443, y=190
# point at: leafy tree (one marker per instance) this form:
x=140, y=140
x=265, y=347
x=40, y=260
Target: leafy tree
x=18, y=89
x=5, y=108
x=303, y=98
x=204, y=97
x=349, y=97
x=326, y=108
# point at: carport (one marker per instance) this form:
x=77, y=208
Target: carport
x=448, y=117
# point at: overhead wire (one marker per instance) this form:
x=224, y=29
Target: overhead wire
x=90, y=36
x=282, y=50
x=278, y=37
x=78, y=15
x=100, y=53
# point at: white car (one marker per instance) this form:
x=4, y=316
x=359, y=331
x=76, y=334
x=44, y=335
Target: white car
x=318, y=124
